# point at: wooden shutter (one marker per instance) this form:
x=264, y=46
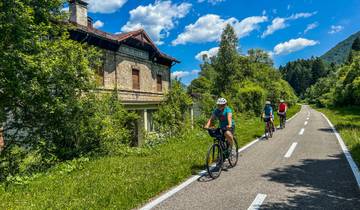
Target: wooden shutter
x=136, y=79
x=159, y=83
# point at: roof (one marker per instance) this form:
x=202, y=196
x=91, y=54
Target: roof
x=138, y=35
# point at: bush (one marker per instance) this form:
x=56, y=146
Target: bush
x=250, y=98
x=173, y=113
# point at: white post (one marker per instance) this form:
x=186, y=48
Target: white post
x=145, y=120
x=192, y=117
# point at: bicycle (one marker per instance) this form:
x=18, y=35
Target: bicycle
x=268, y=128
x=282, y=119
x=219, y=152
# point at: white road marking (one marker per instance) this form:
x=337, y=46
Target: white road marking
x=306, y=122
x=176, y=189
x=307, y=118
x=301, y=131
x=259, y=199
x=291, y=150
x=170, y=193
x=346, y=152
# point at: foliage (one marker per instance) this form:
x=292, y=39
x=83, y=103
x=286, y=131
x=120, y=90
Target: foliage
x=339, y=54
x=172, y=115
x=341, y=88
x=118, y=182
x=46, y=83
x=260, y=56
x=301, y=74
x=245, y=81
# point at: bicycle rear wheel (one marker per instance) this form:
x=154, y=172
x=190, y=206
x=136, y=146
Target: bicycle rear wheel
x=214, y=161
x=234, y=154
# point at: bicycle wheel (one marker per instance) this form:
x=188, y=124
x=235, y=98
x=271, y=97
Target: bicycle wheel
x=234, y=154
x=214, y=161
x=270, y=130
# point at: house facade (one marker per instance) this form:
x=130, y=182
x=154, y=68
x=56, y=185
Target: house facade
x=133, y=67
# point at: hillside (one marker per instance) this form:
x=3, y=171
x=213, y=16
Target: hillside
x=340, y=52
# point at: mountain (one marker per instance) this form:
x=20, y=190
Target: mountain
x=340, y=52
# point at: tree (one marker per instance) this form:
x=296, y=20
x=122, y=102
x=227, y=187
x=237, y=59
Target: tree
x=260, y=56
x=356, y=45
x=45, y=88
x=225, y=63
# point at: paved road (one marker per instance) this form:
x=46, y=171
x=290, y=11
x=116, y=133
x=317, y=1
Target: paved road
x=313, y=175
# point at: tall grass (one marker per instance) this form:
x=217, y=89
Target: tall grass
x=122, y=182
x=347, y=122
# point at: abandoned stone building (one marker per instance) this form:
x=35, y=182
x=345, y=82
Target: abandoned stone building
x=133, y=66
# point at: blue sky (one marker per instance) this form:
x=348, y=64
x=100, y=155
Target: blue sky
x=287, y=29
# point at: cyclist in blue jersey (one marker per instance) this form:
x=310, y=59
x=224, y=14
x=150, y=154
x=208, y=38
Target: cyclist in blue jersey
x=227, y=124
x=268, y=114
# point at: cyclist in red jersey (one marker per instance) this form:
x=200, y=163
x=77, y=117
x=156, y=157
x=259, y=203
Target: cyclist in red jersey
x=282, y=108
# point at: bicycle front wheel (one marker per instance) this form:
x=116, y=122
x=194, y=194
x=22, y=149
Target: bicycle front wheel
x=234, y=154
x=214, y=161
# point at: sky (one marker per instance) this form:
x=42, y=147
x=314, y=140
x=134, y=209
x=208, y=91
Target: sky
x=186, y=29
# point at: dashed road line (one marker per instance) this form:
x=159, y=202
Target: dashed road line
x=259, y=199
x=306, y=122
x=291, y=150
x=301, y=131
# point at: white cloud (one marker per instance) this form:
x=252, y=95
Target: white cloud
x=210, y=53
x=293, y=45
x=311, y=26
x=194, y=72
x=281, y=23
x=98, y=24
x=105, y=6
x=65, y=9
x=301, y=15
x=335, y=29
x=213, y=2
x=182, y=74
x=156, y=19
x=277, y=24
x=179, y=74
x=208, y=28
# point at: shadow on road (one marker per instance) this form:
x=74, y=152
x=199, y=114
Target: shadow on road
x=317, y=184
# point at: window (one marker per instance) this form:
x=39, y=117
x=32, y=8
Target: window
x=159, y=83
x=136, y=79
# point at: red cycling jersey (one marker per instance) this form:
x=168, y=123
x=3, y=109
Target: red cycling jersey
x=282, y=107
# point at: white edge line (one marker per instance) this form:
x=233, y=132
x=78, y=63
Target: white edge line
x=346, y=152
x=291, y=150
x=169, y=193
x=259, y=199
x=176, y=189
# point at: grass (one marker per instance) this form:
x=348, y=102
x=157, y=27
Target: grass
x=347, y=122
x=123, y=182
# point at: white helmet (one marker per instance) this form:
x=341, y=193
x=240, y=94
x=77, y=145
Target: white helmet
x=281, y=100
x=268, y=103
x=221, y=101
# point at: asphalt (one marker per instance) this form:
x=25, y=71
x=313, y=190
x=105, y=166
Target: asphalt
x=315, y=176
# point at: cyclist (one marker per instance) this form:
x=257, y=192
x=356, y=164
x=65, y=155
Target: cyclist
x=268, y=114
x=227, y=124
x=282, y=109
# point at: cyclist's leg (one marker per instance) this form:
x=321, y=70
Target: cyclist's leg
x=229, y=137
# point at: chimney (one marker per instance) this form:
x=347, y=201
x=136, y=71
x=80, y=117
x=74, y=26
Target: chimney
x=78, y=12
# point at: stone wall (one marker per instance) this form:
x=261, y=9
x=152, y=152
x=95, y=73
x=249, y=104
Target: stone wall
x=118, y=66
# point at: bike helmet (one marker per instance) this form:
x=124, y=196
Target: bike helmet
x=221, y=101
x=281, y=100
x=268, y=103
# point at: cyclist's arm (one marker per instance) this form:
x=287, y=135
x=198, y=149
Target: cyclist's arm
x=209, y=121
x=229, y=116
